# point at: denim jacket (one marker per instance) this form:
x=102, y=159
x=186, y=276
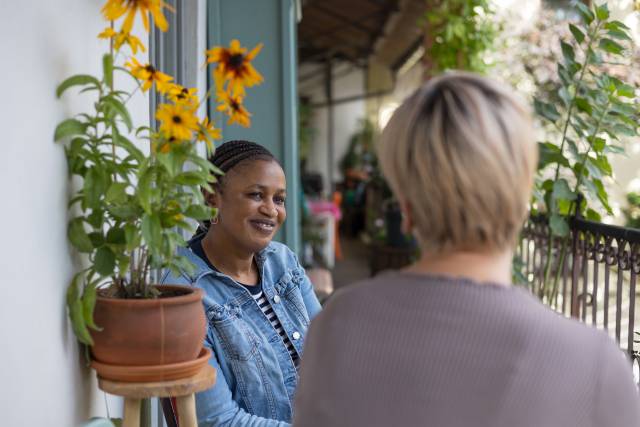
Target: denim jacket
x=256, y=378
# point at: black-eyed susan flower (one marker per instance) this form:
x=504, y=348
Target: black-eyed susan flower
x=120, y=38
x=114, y=9
x=177, y=121
x=149, y=75
x=182, y=95
x=207, y=133
x=234, y=65
x=232, y=106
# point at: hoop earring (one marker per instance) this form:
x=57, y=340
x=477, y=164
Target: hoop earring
x=214, y=220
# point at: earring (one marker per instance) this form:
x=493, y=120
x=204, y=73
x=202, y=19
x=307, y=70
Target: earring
x=214, y=220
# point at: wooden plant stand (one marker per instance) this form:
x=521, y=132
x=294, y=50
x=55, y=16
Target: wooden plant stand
x=183, y=390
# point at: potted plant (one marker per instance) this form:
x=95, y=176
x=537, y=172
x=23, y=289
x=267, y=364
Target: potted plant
x=131, y=203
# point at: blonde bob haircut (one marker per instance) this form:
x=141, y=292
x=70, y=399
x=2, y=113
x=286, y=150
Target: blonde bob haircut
x=459, y=154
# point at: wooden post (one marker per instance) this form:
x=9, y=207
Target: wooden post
x=187, y=410
x=131, y=412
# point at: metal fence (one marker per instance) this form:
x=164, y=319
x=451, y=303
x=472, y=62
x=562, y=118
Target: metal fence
x=592, y=275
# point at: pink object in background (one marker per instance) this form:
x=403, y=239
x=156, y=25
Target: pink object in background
x=320, y=206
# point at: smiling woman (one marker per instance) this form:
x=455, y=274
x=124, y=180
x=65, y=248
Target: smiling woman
x=259, y=301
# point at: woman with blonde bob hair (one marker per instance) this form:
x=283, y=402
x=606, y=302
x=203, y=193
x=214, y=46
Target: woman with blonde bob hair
x=448, y=341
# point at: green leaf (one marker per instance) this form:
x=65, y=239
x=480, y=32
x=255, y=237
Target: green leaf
x=592, y=215
x=116, y=236
x=559, y=226
x=119, y=109
x=123, y=142
x=104, y=261
x=561, y=190
x=124, y=212
x=611, y=46
x=583, y=105
x=585, y=12
x=564, y=96
x=78, y=236
x=602, y=12
x=616, y=25
x=132, y=236
x=603, y=164
x=77, y=80
x=152, y=230
x=97, y=239
x=550, y=153
x=199, y=212
x=619, y=34
x=145, y=182
x=189, y=178
x=88, y=304
x=626, y=91
x=116, y=193
x=107, y=68
x=625, y=130
x=614, y=149
x=546, y=110
x=95, y=184
x=567, y=52
x=69, y=127
x=96, y=218
x=598, y=144
x=76, y=312
x=577, y=33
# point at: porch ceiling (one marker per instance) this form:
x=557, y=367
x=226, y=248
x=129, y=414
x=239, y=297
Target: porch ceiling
x=355, y=30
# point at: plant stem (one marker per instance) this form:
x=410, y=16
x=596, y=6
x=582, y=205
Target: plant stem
x=585, y=64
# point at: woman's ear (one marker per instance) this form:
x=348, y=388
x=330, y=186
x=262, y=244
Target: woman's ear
x=407, y=217
x=210, y=198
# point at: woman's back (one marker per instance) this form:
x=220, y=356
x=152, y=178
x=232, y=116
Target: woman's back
x=406, y=349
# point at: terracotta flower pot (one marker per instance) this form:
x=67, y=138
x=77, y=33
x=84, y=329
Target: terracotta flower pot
x=143, y=332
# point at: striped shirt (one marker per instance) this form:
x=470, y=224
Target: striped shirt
x=261, y=300
x=266, y=308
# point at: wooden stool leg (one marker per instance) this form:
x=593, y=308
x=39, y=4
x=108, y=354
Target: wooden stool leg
x=187, y=411
x=131, y=412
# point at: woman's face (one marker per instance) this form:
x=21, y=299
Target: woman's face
x=251, y=204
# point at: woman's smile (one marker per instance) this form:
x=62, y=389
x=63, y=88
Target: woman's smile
x=265, y=226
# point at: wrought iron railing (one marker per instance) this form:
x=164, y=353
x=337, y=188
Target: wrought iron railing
x=592, y=275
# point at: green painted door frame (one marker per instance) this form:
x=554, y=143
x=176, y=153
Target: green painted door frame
x=273, y=103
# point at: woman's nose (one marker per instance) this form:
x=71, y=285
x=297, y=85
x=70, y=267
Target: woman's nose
x=269, y=208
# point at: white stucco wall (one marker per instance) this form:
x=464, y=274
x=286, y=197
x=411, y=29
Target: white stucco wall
x=346, y=117
x=43, y=373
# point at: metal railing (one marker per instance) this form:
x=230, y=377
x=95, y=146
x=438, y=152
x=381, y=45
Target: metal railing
x=592, y=275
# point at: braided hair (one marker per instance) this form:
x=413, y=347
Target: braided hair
x=229, y=155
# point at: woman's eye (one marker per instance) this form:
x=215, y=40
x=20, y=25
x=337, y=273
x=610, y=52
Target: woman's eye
x=279, y=200
x=255, y=196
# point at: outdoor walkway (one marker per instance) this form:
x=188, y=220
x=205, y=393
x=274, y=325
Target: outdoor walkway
x=353, y=266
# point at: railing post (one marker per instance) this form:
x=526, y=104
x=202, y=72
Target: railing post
x=575, y=262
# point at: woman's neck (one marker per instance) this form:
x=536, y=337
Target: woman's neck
x=228, y=259
x=481, y=267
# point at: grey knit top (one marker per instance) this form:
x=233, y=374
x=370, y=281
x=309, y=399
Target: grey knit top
x=407, y=349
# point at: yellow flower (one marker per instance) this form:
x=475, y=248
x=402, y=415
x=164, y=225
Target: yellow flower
x=149, y=75
x=207, y=133
x=182, y=95
x=114, y=9
x=178, y=121
x=122, y=38
x=232, y=106
x=234, y=64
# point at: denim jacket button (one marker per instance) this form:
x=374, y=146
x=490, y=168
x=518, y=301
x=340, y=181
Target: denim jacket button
x=296, y=335
x=276, y=299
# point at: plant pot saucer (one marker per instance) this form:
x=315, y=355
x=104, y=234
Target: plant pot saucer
x=152, y=373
